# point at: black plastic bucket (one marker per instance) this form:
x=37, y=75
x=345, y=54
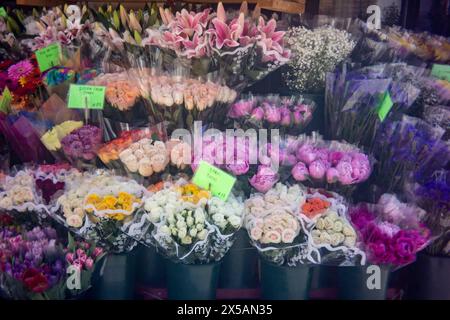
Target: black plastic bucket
x=192, y=281
x=239, y=268
x=429, y=278
x=362, y=282
x=151, y=270
x=117, y=278
x=285, y=283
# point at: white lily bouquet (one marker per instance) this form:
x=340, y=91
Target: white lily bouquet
x=189, y=225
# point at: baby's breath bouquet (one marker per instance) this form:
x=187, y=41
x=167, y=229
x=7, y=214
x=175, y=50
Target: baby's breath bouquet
x=313, y=54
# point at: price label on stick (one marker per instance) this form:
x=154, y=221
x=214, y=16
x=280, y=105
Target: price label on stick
x=211, y=178
x=49, y=57
x=441, y=71
x=86, y=97
x=385, y=107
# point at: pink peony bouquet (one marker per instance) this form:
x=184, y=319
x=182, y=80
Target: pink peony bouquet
x=390, y=232
x=290, y=115
x=325, y=164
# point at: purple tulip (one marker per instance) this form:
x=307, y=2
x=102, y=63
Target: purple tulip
x=300, y=172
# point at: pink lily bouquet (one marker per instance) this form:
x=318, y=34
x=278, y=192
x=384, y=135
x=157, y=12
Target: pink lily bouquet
x=211, y=42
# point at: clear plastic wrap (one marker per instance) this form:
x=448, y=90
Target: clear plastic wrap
x=335, y=166
x=390, y=232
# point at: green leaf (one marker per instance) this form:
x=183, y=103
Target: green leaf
x=137, y=37
x=116, y=20
x=71, y=242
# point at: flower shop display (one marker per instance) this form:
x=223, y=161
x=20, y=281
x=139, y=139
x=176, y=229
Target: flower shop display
x=372, y=192
x=37, y=265
x=314, y=53
x=291, y=115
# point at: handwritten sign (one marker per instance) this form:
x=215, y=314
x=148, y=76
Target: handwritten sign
x=385, y=107
x=86, y=97
x=211, y=178
x=49, y=57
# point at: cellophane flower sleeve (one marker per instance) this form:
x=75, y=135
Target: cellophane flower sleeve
x=335, y=166
x=188, y=225
x=391, y=232
x=275, y=228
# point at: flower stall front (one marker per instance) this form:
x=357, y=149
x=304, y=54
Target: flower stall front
x=197, y=152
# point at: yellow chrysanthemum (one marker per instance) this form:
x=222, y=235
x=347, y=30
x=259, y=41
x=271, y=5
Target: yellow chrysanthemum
x=110, y=201
x=22, y=81
x=93, y=198
x=118, y=216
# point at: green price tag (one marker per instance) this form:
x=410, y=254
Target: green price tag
x=385, y=107
x=441, y=71
x=3, y=12
x=49, y=56
x=86, y=97
x=5, y=101
x=213, y=179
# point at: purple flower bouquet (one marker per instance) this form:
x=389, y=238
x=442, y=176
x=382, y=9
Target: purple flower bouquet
x=37, y=265
x=291, y=115
x=391, y=232
x=81, y=145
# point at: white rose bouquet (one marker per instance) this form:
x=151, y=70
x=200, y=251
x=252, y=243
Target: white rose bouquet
x=326, y=216
x=100, y=207
x=280, y=235
x=19, y=195
x=187, y=224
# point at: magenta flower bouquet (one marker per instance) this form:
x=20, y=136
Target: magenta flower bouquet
x=291, y=115
x=390, y=232
x=81, y=145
